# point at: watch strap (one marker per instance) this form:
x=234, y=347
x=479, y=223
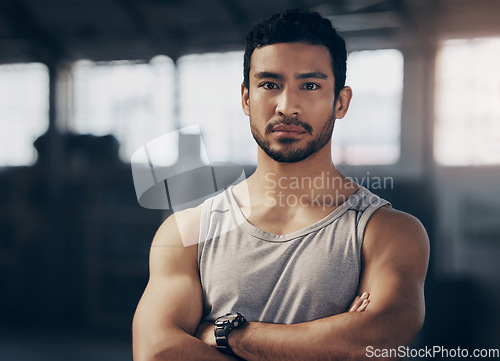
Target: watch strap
x=223, y=328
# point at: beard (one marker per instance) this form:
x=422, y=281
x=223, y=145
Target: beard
x=288, y=153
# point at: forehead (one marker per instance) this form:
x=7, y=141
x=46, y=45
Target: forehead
x=292, y=57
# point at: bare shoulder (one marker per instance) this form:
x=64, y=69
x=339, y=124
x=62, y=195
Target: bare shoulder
x=175, y=242
x=396, y=235
x=179, y=229
x=388, y=222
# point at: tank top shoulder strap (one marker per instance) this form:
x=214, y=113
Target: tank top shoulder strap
x=365, y=203
x=216, y=218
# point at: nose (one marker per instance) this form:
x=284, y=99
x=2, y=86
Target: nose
x=288, y=103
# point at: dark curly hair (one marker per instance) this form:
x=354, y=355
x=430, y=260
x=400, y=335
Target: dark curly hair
x=298, y=26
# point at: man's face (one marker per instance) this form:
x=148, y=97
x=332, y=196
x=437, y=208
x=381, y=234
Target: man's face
x=290, y=99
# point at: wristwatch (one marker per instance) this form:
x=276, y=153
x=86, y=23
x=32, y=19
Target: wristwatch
x=224, y=325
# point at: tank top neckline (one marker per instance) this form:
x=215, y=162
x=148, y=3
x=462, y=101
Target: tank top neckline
x=243, y=222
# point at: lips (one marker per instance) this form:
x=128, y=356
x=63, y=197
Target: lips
x=288, y=129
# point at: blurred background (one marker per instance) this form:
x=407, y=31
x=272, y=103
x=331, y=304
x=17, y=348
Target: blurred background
x=85, y=83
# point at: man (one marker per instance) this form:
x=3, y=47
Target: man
x=297, y=248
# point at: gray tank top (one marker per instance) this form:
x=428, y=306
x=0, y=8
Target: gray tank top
x=302, y=276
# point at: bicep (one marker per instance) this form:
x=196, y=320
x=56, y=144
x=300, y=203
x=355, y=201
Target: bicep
x=172, y=301
x=395, y=258
x=169, y=303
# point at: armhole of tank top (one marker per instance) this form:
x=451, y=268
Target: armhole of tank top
x=365, y=217
x=204, y=223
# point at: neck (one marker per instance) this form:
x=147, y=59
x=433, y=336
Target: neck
x=316, y=174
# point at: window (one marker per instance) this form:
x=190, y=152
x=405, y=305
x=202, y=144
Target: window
x=467, y=126
x=211, y=98
x=370, y=132
x=133, y=101
x=24, y=111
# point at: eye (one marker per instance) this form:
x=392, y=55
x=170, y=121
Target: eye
x=311, y=86
x=269, y=85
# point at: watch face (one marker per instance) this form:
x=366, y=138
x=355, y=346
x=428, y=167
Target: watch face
x=219, y=322
x=226, y=318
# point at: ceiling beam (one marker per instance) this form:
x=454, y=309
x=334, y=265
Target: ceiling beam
x=24, y=24
x=238, y=15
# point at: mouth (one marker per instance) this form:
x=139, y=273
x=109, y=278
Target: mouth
x=288, y=130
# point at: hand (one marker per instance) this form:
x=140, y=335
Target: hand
x=205, y=332
x=360, y=303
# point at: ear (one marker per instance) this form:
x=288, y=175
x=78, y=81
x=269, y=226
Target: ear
x=245, y=99
x=343, y=101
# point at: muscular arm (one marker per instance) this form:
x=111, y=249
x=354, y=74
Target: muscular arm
x=395, y=255
x=171, y=307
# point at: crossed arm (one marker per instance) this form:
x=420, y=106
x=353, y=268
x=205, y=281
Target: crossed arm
x=171, y=307
x=395, y=255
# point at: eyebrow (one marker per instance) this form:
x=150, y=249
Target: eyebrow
x=312, y=74
x=308, y=75
x=267, y=74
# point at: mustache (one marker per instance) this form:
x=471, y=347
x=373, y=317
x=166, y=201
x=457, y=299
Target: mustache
x=287, y=121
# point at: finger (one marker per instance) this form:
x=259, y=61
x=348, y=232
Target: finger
x=363, y=306
x=358, y=301
x=355, y=304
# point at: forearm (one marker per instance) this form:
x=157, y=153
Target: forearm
x=340, y=337
x=178, y=346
